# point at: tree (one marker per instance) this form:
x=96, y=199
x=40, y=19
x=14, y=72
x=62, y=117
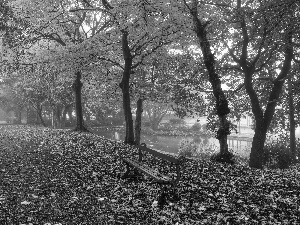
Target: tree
x=292, y=120
x=77, y=85
x=265, y=28
x=202, y=33
x=140, y=29
x=156, y=112
x=11, y=100
x=67, y=30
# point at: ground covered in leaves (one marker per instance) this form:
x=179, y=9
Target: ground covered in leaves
x=62, y=177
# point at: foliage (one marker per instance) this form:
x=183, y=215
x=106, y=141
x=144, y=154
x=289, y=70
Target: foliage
x=175, y=124
x=213, y=125
x=167, y=130
x=196, y=127
x=198, y=150
x=60, y=177
x=223, y=158
x=164, y=132
x=187, y=148
x=57, y=38
x=171, y=127
x=155, y=112
x=277, y=153
x=177, y=121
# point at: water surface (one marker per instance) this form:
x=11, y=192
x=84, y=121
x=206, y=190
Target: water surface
x=240, y=144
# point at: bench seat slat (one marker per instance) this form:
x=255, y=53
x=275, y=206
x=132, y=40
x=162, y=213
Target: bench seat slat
x=153, y=173
x=160, y=155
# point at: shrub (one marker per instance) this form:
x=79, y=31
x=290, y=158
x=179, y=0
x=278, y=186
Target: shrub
x=146, y=124
x=223, y=158
x=196, y=127
x=183, y=128
x=148, y=131
x=277, y=155
x=166, y=127
x=172, y=126
x=187, y=148
x=199, y=150
x=177, y=121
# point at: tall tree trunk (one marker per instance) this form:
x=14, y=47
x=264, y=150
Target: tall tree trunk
x=256, y=154
x=69, y=112
x=263, y=120
x=39, y=110
x=19, y=115
x=58, y=115
x=138, y=121
x=292, y=121
x=77, y=85
x=209, y=61
x=64, y=116
x=53, y=118
x=124, y=85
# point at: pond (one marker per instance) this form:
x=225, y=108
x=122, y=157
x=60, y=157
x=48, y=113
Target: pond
x=240, y=144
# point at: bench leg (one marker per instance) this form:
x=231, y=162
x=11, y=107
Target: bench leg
x=175, y=195
x=162, y=198
x=131, y=172
x=172, y=195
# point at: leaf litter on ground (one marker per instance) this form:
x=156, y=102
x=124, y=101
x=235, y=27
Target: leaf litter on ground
x=52, y=176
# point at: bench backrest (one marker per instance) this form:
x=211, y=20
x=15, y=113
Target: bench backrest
x=157, y=154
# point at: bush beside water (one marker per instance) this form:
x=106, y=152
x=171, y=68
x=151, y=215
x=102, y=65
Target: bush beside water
x=277, y=153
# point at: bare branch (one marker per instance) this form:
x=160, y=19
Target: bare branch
x=132, y=48
x=185, y=3
x=107, y=5
x=87, y=3
x=88, y=9
x=259, y=53
x=149, y=53
x=230, y=50
x=266, y=79
x=216, y=4
x=243, y=58
x=51, y=37
x=267, y=60
x=232, y=68
x=296, y=60
x=111, y=61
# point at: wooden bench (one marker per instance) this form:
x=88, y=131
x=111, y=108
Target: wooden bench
x=134, y=168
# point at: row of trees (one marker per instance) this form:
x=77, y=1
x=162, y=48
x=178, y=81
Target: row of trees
x=172, y=52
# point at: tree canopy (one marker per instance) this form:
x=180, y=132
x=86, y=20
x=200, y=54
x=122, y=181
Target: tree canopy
x=225, y=58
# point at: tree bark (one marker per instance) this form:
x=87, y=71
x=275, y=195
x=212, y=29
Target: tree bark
x=209, y=61
x=63, y=117
x=19, y=115
x=39, y=110
x=77, y=85
x=124, y=85
x=53, y=118
x=69, y=112
x=292, y=121
x=58, y=116
x=138, y=121
x=263, y=119
x=256, y=154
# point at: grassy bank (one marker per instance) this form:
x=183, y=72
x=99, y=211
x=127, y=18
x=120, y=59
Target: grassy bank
x=58, y=177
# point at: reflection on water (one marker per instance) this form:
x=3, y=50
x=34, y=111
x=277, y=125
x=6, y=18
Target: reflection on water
x=117, y=136
x=241, y=145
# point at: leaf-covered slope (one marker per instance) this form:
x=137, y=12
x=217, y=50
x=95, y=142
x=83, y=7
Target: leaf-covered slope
x=58, y=177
